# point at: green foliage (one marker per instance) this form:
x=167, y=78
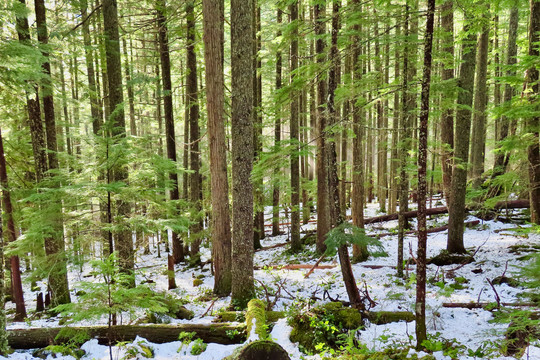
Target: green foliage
x=198, y=347
x=325, y=327
x=139, y=351
x=450, y=348
x=68, y=342
x=348, y=234
x=110, y=294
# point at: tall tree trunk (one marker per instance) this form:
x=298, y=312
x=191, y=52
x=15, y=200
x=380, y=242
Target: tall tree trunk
x=277, y=131
x=478, y=147
x=333, y=184
x=117, y=125
x=54, y=242
x=456, y=210
x=394, y=158
x=170, y=137
x=533, y=123
x=258, y=219
x=323, y=196
x=213, y=12
x=129, y=85
x=195, y=186
x=4, y=347
x=16, y=283
x=422, y=182
x=242, y=151
x=501, y=157
x=296, y=243
x=360, y=253
x=447, y=118
x=405, y=136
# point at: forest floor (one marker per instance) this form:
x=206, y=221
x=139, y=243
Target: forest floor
x=498, y=250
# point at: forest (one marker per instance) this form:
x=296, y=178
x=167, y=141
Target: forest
x=287, y=179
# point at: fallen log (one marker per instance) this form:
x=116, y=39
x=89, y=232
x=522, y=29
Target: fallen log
x=275, y=246
x=217, y=333
x=432, y=230
x=482, y=305
x=513, y=204
x=510, y=204
x=294, y=267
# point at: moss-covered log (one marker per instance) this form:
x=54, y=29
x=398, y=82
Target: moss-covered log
x=385, y=317
x=256, y=319
x=162, y=333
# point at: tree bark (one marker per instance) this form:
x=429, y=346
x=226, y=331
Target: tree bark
x=195, y=186
x=447, y=118
x=213, y=11
x=461, y=145
x=117, y=127
x=501, y=158
x=54, y=241
x=478, y=147
x=323, y=196
x=533, y=123
x=360, y=253
x=4, y=346
x=242, y=151
x=170, y=137
x=421, y=334
x=258, y=219
x=277, y=130
x=296, y=243
x=16, y=283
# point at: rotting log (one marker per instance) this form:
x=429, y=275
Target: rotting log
x=483, y=305
x=216, y=333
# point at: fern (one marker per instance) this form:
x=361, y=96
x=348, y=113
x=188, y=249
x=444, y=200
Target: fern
x=348, y=234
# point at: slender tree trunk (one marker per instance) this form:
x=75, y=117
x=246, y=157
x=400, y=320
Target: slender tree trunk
x=421, y=334
x=333, y=118
x=16, y=283
x=404, y=143
x=323, y=196
x=258, y=219
x=54, y=242
x=296, y=243
x=242, y=151
x=478, y=147
x=213, y=12
x=447, y=118
x=533, y=123
x=360, y=253
x=502, y=157
x=4, y=347
x=170, y=137
x=195, y=186
x=394, y=158
x=277, y=131
x=129, y=85
x=117, y=125
x=461, y=146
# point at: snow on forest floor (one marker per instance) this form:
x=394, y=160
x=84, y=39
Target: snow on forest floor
x=471, y=328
